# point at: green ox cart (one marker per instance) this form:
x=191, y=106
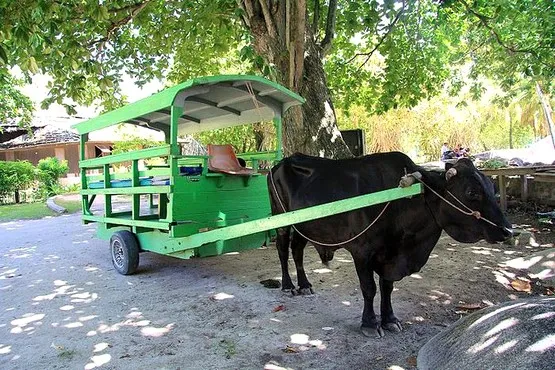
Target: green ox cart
x=206, y=204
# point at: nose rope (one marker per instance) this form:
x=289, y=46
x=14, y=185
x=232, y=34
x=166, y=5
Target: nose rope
x=322, y=243
x=469, y=211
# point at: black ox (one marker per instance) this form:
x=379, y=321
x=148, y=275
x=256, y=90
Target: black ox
x=400, y=240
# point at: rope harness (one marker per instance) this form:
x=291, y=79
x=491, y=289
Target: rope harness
x=468, y=212
x=322, y=243
x=418, y=177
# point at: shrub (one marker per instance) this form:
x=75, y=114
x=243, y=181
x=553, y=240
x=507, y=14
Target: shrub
x=132, y=143
x=72, y=188
x=15, y=176
x=50, y=170
x=493, y=164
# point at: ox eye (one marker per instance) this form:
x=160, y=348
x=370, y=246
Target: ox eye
x=473, y=195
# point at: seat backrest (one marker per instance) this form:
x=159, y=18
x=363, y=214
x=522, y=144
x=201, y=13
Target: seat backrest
x=223, y=159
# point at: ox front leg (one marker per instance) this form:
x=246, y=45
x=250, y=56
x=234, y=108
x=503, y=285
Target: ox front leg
x=389, y=321
x=282, y=246
x=370, y=326
x=298, y=244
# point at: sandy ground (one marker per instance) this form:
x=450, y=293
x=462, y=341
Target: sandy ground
x=63, y=306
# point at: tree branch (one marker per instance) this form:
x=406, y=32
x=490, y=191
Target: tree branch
x=330, y=27
x=485, y=22
x=131, y=7
x=469, y=52
x=248, y=8
x=268, y=18
x=135, y=10
x=381, y=40
x=316, y=18
x=296, y=44
x=245, y=15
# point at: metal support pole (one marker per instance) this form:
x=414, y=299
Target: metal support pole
x=279, y=137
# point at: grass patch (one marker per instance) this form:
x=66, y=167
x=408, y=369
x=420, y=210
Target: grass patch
x=24, y=211
x=27, y=211
x=72, y=206
x=229, y=348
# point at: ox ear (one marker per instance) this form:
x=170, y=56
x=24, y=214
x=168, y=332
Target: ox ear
x=448, y=165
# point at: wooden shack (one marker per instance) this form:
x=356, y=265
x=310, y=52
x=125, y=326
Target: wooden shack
x=51, y=141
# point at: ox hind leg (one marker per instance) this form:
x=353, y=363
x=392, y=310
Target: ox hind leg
x=370, y=326
x=298, y=243
x=389, y=321
x=282, y=246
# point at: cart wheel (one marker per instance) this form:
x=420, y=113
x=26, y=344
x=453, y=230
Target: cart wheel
x=125, y=252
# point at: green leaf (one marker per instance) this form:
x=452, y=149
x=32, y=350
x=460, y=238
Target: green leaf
x=104, y=12
x=32, y=64
x=3, y=55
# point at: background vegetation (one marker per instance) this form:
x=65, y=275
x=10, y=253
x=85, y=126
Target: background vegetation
x=49, y=171
x=380, y=55
x=21, y=181
x=490, y=122
x=16, y=177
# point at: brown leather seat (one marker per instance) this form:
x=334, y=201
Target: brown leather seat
x=223, y=159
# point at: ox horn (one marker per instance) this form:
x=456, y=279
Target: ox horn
x=450, y=173
x=409, y=179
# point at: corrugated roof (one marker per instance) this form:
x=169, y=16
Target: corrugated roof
x=44, y=135
x=9, y=131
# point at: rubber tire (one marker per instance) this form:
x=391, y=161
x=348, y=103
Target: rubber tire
x=129, y=252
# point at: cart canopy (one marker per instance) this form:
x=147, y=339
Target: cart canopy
x=208, y=103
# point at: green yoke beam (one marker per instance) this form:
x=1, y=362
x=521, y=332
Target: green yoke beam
x=298, y=216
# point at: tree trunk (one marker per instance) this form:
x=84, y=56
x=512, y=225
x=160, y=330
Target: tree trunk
x=535, y=126
x=313, y=129
x=259, y=138
x=510, y=131
x=547, y=112
x=509, y=120
x=283, y=37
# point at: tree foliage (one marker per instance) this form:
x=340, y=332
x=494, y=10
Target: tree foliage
x=508, y=40
x=378, y=54
x=244, y=139
x=86, y=47
x=458, y=120
x=14, y=106
x=133, y=142
x=407, y=52
x=15, y=176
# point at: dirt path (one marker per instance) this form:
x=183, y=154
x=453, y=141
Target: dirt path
x=63, y=306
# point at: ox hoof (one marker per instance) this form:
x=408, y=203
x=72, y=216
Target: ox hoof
x=291, y=291
x=393, y=326
x=305, y=291
x=372, y=332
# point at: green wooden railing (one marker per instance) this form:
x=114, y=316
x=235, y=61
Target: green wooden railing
x=134, y=219
x=161, y=151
